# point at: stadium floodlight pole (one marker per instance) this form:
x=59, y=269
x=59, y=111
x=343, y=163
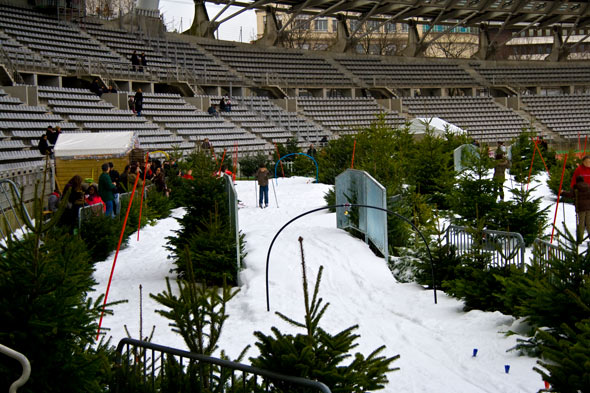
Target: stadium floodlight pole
x=347, y=206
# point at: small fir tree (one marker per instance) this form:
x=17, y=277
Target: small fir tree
x=45, y=311
x=319, y=355
x=433, y=172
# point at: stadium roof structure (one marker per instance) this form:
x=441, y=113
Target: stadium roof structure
x=510, y=14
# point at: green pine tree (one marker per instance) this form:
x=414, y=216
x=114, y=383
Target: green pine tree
x=46, y=313
x=319, y=355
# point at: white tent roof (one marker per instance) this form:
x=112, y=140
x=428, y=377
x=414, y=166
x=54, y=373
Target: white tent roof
x=436, y=124
x=86, y=144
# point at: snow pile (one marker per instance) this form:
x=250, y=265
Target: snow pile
x=435, y=342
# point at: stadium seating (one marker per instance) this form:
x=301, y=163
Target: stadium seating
x=196, y=61
x=483, y=118
x=523, y=75
x=285, y=125
x=172, y=112
x=567, y=115
x=346, y=115
x=271, y=66
x=378, y=71
x=21, y=126
x=64, y=45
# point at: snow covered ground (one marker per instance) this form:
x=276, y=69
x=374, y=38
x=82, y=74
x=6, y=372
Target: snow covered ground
x=435, y=341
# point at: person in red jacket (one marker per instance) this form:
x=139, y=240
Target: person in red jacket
x=583, y=170
x=581, y=194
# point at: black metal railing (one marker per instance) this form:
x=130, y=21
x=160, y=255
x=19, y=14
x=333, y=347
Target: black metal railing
x=504, y=248
x=147, y=367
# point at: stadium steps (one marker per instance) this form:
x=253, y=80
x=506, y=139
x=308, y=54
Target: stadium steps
x=547, y=132
x=474, y=74
x=355, y=79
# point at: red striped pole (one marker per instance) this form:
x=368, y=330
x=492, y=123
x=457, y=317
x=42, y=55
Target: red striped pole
x=540, y=155
x=558, y=195
x=585, y=141
x=222, y=159
x=142, y=193
x=106, y=296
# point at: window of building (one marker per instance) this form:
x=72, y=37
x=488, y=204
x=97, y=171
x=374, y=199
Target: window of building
x=372, y=25
x=334, y=25
x=321, y=25
x=390, y=27
x=405, y=28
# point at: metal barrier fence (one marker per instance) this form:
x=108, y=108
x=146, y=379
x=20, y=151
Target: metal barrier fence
x=544, y=252
x=19, y=183
x=232, y=199
x=504, y=248
x=358, y=187
x=147, y=367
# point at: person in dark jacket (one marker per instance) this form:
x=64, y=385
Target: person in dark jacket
x=134, y=61
x=142, y=62
x=43, y=145
x=138, y=98
x=262, y=175
x=160, y=182
x=75, y=201
x=581, y=194
x=96, y=88
x=53, y=134
x=115, y=178
x=105, y=190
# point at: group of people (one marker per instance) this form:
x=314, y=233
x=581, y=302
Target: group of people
x=224, y=106
x=106, y=192
x=138, y=63
x=99, y=89
x=48, y=140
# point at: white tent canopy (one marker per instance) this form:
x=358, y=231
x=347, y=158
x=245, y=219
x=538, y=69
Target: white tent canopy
x=86, y=144
x=436, y=124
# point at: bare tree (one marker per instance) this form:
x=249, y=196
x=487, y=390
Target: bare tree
x=453, y=45
x=109, y=8
x=381, y=41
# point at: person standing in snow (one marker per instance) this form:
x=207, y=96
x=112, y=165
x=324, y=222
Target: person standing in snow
x=581, y=194
x=500, y=167
x=262, y=175
x=582, y=170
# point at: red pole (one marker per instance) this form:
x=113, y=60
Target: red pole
x=579, y=143
x=280, y=162
x=585, y=141
x=353, y=149
x=142, y=193
x=106, y=296
x=540, y=155
x=558, y=195
x=531, y=168
x=222, y=158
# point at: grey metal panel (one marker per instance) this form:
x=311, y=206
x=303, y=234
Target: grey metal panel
x=358, y=187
